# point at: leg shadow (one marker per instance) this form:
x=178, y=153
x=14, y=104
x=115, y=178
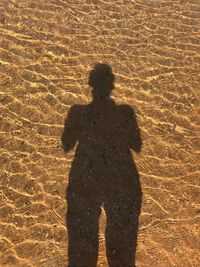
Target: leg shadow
x=83, y=231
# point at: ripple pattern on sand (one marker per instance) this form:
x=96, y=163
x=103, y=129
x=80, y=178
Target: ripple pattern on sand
x=47, y=48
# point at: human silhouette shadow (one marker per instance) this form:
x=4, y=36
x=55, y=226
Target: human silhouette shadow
x=103, y=174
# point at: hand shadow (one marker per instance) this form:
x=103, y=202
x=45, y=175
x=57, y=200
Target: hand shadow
x=103, y=173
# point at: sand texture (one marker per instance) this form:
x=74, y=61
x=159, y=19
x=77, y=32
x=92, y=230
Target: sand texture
x=47, y=48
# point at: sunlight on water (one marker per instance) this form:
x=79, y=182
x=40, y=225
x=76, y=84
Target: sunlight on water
x=47, y=49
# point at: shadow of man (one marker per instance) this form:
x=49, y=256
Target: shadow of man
x=103, y=173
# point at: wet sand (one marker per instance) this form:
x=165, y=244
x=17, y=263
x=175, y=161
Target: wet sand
x=47, y=49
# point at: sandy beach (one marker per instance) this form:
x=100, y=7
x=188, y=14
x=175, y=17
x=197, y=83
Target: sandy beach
x=47, y=49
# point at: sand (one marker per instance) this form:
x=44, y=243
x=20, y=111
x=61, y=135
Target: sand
x=47, y=49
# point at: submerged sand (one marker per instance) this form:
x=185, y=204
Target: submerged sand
x=47, y=49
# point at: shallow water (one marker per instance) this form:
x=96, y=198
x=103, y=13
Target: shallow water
x=47, y=49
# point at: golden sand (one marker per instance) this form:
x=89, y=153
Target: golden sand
x=47, y=48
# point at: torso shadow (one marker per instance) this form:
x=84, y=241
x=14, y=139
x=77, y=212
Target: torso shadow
x=103, y=173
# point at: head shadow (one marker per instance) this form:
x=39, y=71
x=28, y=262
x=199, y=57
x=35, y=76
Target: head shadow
x=101, y=79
